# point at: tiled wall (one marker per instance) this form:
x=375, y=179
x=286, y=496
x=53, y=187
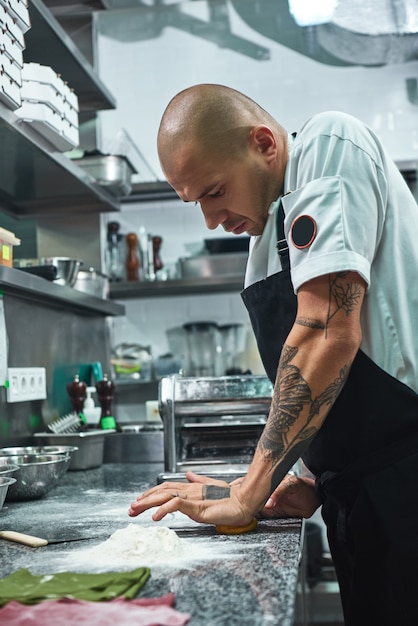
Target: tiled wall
x=183, y=231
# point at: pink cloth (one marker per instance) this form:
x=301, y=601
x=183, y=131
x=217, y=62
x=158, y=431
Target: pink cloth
x=72, y=612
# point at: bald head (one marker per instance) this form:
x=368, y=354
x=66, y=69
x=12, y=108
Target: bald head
x=217, y=118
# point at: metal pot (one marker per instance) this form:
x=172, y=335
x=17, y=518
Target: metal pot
x=92, y=282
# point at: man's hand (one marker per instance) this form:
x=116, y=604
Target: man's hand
x=294, y=497
x=203, y=500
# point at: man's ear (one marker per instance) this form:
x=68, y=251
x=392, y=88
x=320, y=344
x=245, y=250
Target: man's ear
x=265, y=141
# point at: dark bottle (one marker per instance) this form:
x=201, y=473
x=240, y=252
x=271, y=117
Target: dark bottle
x=132, y=259
x=156, y=246
x=114, y=264
x=105, y=391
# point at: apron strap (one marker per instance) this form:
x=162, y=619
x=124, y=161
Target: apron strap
x=281, y=244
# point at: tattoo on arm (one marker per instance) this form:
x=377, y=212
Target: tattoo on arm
x=294, y=396
x=342, y=296
x=310, y=323
x=215, y=492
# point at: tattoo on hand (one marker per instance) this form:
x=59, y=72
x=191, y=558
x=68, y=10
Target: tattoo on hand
x=215, y=492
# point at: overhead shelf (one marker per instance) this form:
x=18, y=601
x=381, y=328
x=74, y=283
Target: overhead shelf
x=184, y=287
x=157, y=190
x=18, y=283
x=36, y=181
x=47, y=43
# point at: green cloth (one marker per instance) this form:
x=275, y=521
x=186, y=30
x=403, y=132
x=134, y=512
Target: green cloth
x=28, y=588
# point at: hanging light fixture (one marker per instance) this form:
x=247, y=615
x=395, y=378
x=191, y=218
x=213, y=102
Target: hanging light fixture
x=312, y=12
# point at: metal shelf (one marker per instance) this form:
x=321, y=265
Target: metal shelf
x=35, y=180
x=47, y=43
x=17, y=283
x=183, y=287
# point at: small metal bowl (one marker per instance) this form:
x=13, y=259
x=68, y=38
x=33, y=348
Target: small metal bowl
x=67, y=269
x=10, y=451
x=8, y=469
x=5, y=483
x=37, y=475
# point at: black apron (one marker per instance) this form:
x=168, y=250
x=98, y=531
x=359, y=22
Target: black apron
x=365, y=458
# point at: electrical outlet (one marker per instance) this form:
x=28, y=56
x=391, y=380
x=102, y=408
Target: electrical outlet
x=26, y=383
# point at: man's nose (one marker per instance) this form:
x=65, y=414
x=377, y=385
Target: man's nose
x=212, y=218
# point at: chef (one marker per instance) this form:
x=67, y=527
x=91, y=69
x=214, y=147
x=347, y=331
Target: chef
x=332, y=293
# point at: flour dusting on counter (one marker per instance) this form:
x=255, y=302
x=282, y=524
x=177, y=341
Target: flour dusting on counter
x=139, y=545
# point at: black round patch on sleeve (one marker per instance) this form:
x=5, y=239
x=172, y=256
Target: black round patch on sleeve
x=303, y=231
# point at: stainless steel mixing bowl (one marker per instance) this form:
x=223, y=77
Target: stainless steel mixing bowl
x=5, y=483
x=67, y=269
x=37, y=475
x=13, y=450
x=8, y=469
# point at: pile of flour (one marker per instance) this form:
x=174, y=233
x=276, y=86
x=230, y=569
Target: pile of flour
x=137, y=546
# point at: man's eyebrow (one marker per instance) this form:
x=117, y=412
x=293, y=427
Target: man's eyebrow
x=205, y=192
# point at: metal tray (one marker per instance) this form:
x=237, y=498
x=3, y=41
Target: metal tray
x=111, y=171
x=207, y=265
x=90, y=446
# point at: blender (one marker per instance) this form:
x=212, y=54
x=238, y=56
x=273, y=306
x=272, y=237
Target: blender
x=201, y=339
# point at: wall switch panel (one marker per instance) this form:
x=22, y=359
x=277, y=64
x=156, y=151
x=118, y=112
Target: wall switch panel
x=26, y=383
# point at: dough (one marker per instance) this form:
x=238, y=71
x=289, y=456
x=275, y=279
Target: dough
x=236, y=530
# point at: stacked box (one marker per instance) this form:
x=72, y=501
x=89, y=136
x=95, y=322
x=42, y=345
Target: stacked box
x=49, y=105
x=14, y=22
x=19, y=12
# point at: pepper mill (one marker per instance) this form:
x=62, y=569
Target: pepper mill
x=156, y=245
x=77, y=392
x=105, y=391
x=132, y=259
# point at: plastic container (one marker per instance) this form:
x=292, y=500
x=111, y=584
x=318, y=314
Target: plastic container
x=7, y=241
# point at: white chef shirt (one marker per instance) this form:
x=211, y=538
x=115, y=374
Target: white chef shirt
x=366, y=218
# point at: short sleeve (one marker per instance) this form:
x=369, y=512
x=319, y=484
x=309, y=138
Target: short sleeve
x=343, y=211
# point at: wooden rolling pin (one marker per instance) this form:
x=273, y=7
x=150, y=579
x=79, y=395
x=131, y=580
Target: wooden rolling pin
x=27, y=540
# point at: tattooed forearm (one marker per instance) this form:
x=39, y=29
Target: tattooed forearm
x=284, y=466
x=215, y=492
x=329, y=395
x=293, y=396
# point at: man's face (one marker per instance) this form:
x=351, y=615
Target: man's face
x=232, y=192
